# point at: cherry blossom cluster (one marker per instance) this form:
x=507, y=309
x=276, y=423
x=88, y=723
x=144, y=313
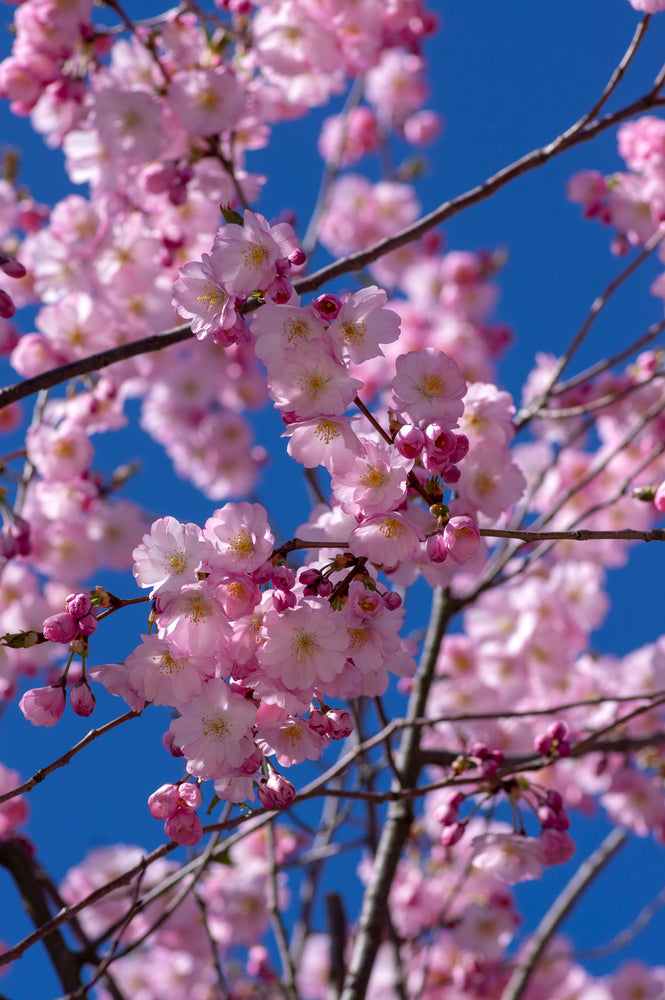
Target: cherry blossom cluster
x=389, y=390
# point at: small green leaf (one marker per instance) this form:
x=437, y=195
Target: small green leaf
x=231, y=216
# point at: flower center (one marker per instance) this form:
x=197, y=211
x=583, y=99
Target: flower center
x=304, y=644
x=212, y=297
x=431, y=386
x=374, y=478
x=215, y=726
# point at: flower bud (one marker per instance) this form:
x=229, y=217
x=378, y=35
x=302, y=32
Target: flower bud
x=78, y=605
x=341, y=723
x=87, y=625
x=184, y=827
x=43, y=706
x=462, y=537
x=164, y=802
x=82, y=699
x=60, y=628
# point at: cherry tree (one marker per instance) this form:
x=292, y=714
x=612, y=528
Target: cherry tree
x=379, y=717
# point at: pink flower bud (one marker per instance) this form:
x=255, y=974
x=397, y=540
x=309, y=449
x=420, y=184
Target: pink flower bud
x=557, y=730
x=462, y=537
x=555, y=847
x=436, y=549
x=173, y=748
x=82, y=699
x=452, y=834
x=461, y=449
x=191, y=797
x=7, y=307
x=328, y=306
x=43, y=706
x=392, y=600
x=440, y=441
x=87, y=625
x=20, y=532
x=185, y=828
x=164, y=802
x=554, y=799
x=284, y=599
x=280, y=290
x=265, y=795
x=60, y=628
x=447, y=815
x=542, y=745
x=11, y=266
x=341, y=723
x=78, y=605
x=298, y=257
x=409, y=441
x=276, y=791
x=318, y=722
x=283, y=577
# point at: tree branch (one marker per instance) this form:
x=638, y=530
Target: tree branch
x=558, y=912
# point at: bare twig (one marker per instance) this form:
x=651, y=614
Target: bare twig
x=42, y=773
x=558, y=912
x=598, y=305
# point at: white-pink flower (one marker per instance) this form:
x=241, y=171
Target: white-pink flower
x=428, y=387
x=193, y=620
x=375, y=483
x=240, y=537
x=312, y=384
x=198, y=296
x=363, y=323
x=304, y=648
x=169, y=556
x=386, y=539
x=164, y=676
x=327, y=441
x=214, y=731
x=246, y=256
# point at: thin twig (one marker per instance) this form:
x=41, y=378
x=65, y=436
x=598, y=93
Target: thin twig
x=574, y=136
x=288, y=979
x=558, y=912
x=42, y=773
x=540, y=402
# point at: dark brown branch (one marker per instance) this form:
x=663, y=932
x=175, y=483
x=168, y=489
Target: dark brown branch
x=399, y=816
x=93, y=363
x=15, y=857
x=574, y=136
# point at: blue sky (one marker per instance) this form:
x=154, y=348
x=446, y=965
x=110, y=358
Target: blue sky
x=507, y=77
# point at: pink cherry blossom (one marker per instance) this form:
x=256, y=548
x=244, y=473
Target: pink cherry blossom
x=169, y=556
x=246, y=256
x=385, y=539
x=428, y=386
x=199, y=296
x=363, y=323
x=304, y=647
x=214, y=731
x=240, y=537
x=44, y=706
